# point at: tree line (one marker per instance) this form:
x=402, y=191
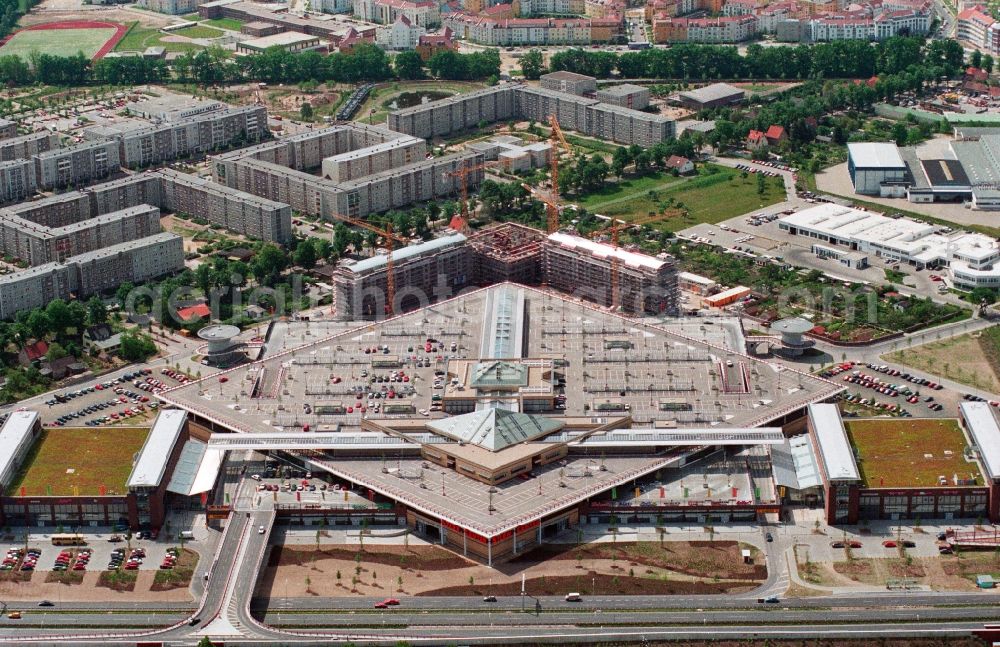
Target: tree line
x=837, y=59
x=214, y=66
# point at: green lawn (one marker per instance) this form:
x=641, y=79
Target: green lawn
x=198, y=31
x=224, y=23
x=894, y=453
x=139, y=38
x=708, y=197
x=57, y=42
x=86, y=458
x=628, y=189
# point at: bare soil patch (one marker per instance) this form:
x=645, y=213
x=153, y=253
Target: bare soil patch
x=65, y=577
x=423, y=558
x=696, y=558
x=598, y=584
x=118, y=580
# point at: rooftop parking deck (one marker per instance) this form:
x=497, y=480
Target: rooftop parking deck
x=686, y=372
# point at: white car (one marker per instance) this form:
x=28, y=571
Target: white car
x=255, y=477
x=260, y=530
x=423, y=412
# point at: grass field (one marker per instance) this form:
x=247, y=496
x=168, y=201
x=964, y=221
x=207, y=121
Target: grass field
x=972, y=359
x=708, y=198
x=85, y=458
x=57, y=42
x=894, y=453
x=198, y=31
x=139, y=38
x=224, y=23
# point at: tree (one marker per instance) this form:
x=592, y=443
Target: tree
x=988, y=63
x=305, y=254
x=306, y=111
x=532, y=64
x=408, y=65
x=96, y=312
x=56, y=351
x=619, y=160
x=58, y=314
x=900, y=133
x=123, y=291
x=268, y=264
x=205, y=642
x=136, y=346
x=38, y=324
x=976, y=59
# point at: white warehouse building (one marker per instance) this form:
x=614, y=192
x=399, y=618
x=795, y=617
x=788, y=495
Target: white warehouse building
x=971, y=259
x=873, y=164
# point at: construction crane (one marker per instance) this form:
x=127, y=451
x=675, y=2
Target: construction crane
x=551, y=206
x=390, y=240
x=461, y=221
x=615, y=228
x=557, y=139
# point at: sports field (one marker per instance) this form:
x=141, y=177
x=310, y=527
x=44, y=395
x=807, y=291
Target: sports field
x=85, y=458
x=94, y=39
x=909, y=453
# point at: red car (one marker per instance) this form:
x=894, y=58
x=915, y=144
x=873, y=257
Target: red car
x=381, y=605
x=223, y=379
x=390, y=601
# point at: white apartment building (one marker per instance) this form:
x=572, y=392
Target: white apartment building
x=384, y=12
x=402, y=35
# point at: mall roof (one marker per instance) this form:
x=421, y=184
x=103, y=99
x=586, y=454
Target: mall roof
x=834, y=448
x=981, y=421
x=155, y=454
x=495, y=429
x=794, y=464
x=503, y=328
x=675, y=437
x=875, y=155
x=187, y=467
x=13, y=434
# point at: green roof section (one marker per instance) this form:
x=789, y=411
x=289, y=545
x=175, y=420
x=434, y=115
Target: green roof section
x=495, y=429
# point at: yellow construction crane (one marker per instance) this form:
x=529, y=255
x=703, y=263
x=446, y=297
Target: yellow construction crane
x=462, y=174
x=558, y=139
x=551, y=206
x=390, y=240
x=615, y=228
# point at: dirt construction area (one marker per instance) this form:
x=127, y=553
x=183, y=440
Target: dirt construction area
x=960, y=358
x=944, y=573
x=626, y=568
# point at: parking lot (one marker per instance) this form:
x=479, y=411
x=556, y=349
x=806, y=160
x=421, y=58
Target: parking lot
x=893, y=391
x=128, y=396
x=97, y=554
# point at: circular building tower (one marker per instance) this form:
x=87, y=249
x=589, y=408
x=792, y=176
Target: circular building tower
x=791, y=331
x=224, y=349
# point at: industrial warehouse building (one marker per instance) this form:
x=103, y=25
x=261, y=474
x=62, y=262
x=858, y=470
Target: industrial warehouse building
x=716, y=95
x=971, y=259
x=871, y=165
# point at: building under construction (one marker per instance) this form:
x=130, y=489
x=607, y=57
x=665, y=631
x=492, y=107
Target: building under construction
x=424, y=273
x=584, y=269
x=437, y=269
x=508, y=252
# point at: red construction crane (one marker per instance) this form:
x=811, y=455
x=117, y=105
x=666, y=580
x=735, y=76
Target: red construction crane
x=390, y=239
